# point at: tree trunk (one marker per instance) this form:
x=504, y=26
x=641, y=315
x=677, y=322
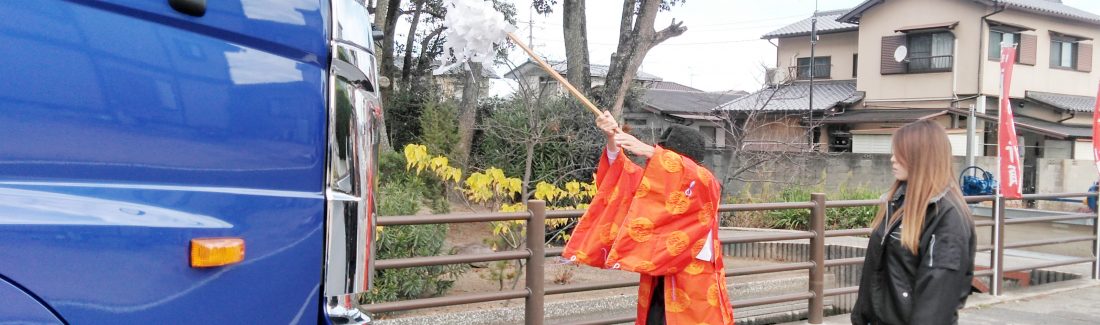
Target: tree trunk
x=636, y=38
x=576, y=45
x=387, y=20
x=467, y=115
x=389, y=30
x=406, y=64
x=380, y=11
x=427, y=45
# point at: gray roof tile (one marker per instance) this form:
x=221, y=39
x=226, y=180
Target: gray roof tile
x=795, y=97
x=1054, y=129
x=680, y=101
x=826, y=23
x=1071, y=103
x=1053, y=8
x=882, y=115
x=596, y=70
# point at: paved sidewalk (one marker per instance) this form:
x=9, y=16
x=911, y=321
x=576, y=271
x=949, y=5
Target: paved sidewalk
x=1065, y=303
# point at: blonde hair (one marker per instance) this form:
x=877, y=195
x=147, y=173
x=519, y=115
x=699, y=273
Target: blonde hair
x=923, y=148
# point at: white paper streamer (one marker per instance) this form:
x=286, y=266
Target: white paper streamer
x=473, y=26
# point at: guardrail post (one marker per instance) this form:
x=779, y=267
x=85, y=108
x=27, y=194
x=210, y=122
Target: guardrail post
x=817, y=256
x=1096, y=244
x=998, y=252
x=536, y=233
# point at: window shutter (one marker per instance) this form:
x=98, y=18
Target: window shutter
x=1084, y=57
x=889, y=45
x=1029, y=45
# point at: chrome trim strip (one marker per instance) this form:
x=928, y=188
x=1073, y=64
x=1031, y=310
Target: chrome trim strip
x=351, y=164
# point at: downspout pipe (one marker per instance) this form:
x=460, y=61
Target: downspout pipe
x=971, y=120
x=981, y=41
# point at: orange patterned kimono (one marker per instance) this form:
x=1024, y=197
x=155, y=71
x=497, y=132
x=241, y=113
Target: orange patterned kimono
x=657, y=222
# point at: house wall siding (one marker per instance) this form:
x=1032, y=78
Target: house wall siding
x=840, y=47
x=1040, y=76
x=882, y=21
x=1082, y=150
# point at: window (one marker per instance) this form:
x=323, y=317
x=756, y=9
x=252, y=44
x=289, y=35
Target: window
x=996, y=38
x=709, y=135
x=821, y=67
x=855, y=64
x=931, y=52
x=1063, y=53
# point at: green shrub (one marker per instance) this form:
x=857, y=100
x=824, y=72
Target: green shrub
x=852, y=218
x=835, y=218
x=439, y=128
x=398, y=198
x=566, y=141
x=794, y=218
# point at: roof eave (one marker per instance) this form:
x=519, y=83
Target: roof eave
x=1044, y=13
x=852, y=17
x=799, y=34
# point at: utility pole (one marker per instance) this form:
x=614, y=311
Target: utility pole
x=813, y=70
x=531, y=28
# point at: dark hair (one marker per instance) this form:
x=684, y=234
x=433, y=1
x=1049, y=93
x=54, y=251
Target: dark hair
x=685, y=141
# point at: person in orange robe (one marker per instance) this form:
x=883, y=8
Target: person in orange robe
x=661, y=222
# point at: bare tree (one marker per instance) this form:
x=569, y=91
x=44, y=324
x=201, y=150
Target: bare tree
x=636, y=37
x=766, y=145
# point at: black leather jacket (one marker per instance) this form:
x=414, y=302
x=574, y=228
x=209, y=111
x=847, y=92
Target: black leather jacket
x=898, y=287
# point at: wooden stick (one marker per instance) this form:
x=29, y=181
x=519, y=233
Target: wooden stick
x=553, y=73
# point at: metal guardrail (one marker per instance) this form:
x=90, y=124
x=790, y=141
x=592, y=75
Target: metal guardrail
x=536, y=252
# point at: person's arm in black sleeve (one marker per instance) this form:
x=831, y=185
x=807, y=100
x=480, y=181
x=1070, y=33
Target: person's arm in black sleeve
x=942, y=277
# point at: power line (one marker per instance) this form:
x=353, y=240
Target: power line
x=753, y=21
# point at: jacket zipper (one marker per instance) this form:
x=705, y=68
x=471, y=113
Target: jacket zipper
x=932, y=251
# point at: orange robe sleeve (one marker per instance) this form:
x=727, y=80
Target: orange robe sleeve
x=670, y=218
x=590, y=242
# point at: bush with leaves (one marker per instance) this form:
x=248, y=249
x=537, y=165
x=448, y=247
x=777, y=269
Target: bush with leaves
x=835, y=218
x=494, y=188
x=409, y=241
x=566, y=142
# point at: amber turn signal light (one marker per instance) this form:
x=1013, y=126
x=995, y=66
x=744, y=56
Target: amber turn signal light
x=213, y=252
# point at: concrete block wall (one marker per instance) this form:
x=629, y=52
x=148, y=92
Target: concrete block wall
x=832, y=172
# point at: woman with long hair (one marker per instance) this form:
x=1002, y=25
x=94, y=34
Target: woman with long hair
x=920, y=257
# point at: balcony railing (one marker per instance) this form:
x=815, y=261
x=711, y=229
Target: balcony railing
x=940, y=63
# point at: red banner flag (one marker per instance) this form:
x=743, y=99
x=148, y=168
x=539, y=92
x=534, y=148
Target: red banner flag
x=1008, y=157
x=1096, y=132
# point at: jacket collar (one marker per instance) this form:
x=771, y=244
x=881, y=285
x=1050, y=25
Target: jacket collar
x=901, y=193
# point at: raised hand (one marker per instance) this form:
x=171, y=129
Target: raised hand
x=606, y=122
x=633, y=145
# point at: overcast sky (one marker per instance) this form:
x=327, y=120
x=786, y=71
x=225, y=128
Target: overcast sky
x=721, y=50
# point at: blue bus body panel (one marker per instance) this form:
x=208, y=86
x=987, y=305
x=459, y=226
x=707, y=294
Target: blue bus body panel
x=20, y=308
x=128, y=129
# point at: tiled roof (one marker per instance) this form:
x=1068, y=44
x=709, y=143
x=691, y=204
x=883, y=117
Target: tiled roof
x=1053, y=8
x=597, y=70
x=826, y=23
x=671, y=85
x=1071, y=103
x=795, y=97
x=1053, y=129
x=1048, y=128
x=680, y=101
x=882, y=116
